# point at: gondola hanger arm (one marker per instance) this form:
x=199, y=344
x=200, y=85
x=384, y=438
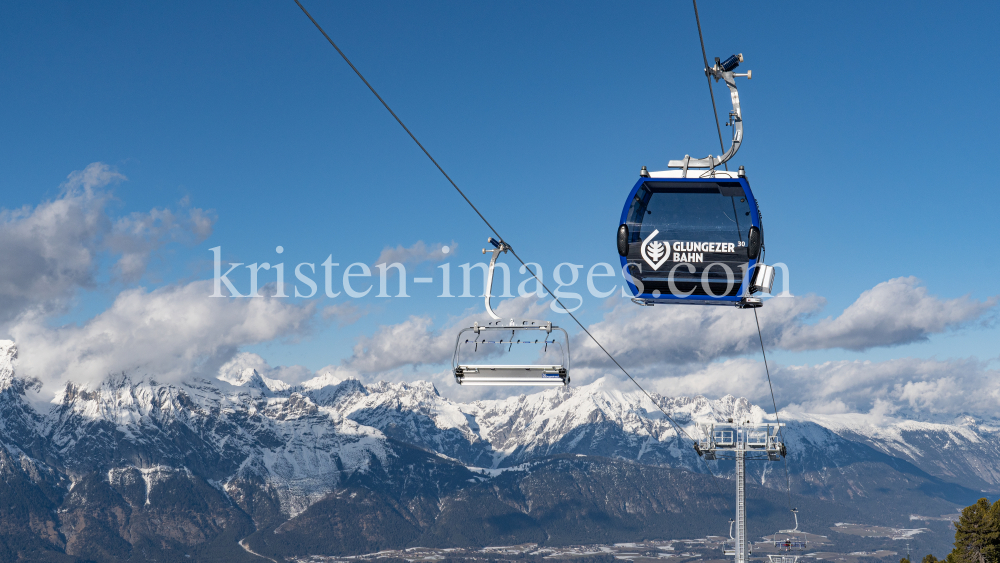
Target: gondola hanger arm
x=721, y=71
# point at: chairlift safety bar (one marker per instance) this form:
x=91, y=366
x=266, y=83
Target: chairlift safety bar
x=549, y=374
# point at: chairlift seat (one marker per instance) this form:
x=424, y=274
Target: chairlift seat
x=511, y=375
x=502, y=335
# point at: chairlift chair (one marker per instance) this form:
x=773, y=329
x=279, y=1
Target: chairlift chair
x=692, y=234
x=796, y=540
x=729, y=546
x=499, y=337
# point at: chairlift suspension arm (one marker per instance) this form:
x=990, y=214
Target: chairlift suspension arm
x=498, y=247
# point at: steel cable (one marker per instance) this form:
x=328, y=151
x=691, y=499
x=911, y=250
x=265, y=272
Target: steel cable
x=704, y=57
x=715, y=114
x=679, y=428
x=788, y=479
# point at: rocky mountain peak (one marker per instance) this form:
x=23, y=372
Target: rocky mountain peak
x=8, y=354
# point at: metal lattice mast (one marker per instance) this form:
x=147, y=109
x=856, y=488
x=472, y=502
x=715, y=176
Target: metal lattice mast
x=742, y=549
x=741, y=441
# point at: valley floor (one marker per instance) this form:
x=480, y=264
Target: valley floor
x=702, y=550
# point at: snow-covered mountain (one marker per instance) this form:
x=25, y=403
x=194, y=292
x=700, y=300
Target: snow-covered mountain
x=599, y=420
x=965, y=451
x=192, y=467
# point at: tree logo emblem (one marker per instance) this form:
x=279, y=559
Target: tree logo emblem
x=655, y=252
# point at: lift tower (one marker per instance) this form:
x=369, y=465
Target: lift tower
x=741, y=441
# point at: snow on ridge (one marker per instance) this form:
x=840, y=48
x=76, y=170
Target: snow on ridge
x=8, y=353
x=251, y=378
x=418, y=396
x=533, y=420
x=550, y=413
x=320, y=381
x=882, y=427
x=306, y=451
x=559, y=419
x=322, y=430
x=494, y=471
x=8, y=377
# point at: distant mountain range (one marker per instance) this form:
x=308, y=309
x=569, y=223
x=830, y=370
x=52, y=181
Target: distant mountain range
x=218, y=470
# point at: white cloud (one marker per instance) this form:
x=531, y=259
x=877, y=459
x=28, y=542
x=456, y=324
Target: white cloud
x=95, y=175
x=696, y=350
x=137, y=236
x=917, y=388
x=169, y=333
x=645, y=337
x=416, y=342
x=416, y=253
x=740, y=376
x=344, y=314
x=51, y=250
x=242, y=362
x=899, y=311
x=238, y=364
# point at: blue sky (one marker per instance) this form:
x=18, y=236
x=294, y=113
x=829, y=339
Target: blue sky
x=868, y=139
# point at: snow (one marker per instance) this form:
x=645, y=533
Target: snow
x=8, y=353
x=303, y=441
x=493, y=472
x=962, y=449
x=251, y=378
x=321, y=381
